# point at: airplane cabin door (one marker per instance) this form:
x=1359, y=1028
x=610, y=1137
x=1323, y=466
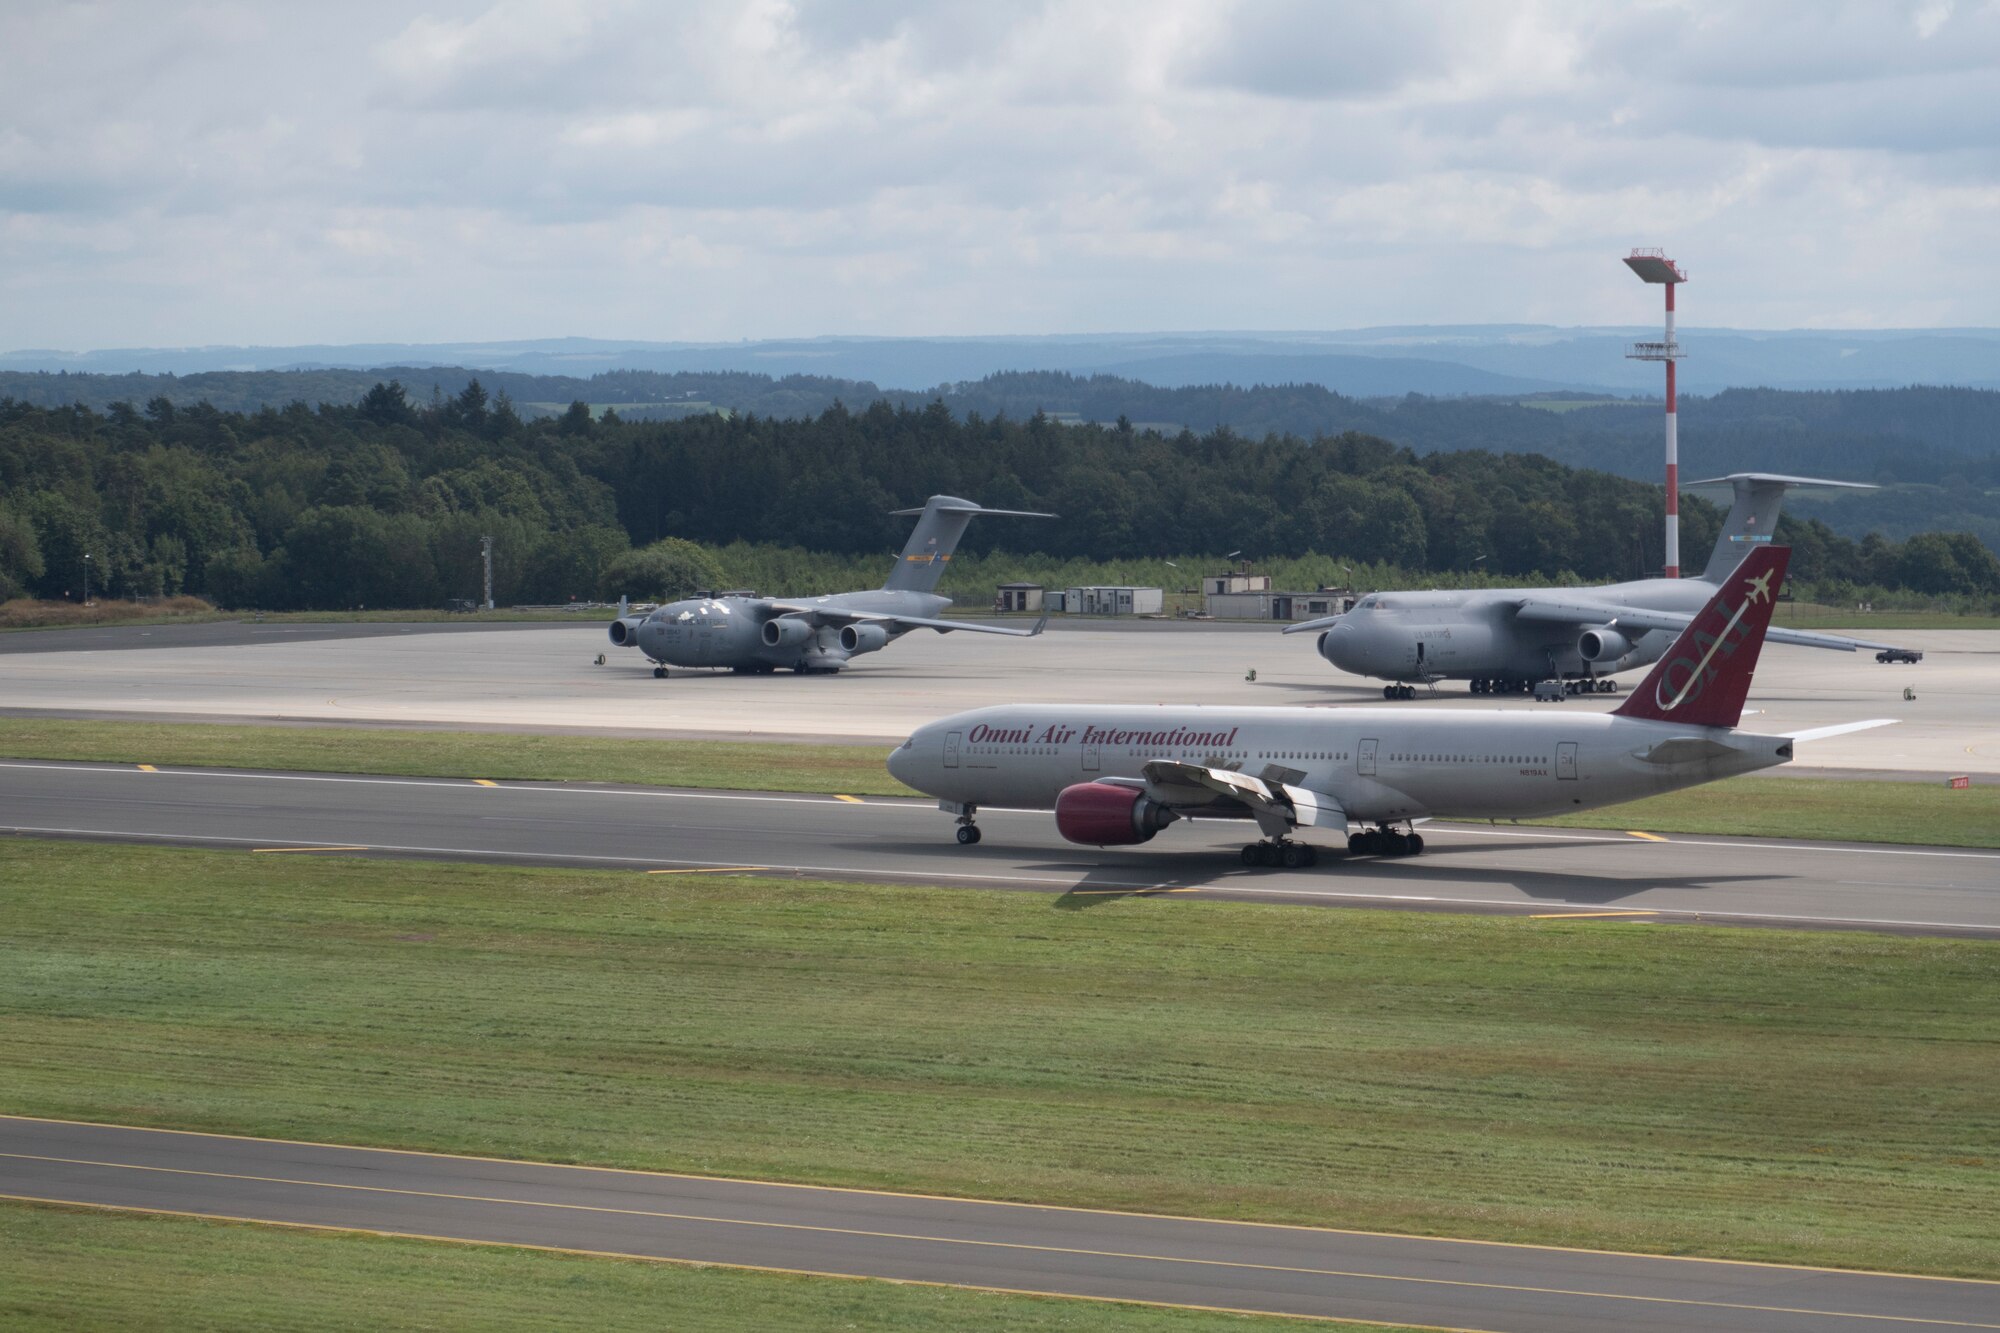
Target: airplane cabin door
x=951, y=749
x=1566, y=762
x=1367, y=754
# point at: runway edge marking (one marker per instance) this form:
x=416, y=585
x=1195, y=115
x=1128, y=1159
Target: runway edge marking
x=330, y=1228
x=996, y=1203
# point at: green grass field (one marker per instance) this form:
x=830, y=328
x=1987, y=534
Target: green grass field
x=65, y=1269
x=1827, y=1098
x=1751, y=807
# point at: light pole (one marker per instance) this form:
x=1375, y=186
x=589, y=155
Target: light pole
x=86, y=578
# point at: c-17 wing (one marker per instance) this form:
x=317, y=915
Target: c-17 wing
x=1584, y=613
x=1278, y=806
x=826, y=615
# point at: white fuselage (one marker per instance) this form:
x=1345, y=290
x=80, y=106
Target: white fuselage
x=1379, y=765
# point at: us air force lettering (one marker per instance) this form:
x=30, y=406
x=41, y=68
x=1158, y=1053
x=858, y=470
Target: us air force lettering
x=1116, y=776
x=1504, y=640
x=752, y=634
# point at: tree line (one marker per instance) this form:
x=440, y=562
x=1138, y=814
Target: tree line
x=384, y=501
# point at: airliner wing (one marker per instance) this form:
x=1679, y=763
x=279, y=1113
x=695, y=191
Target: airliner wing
x=1279, y=806
x=1586, y=613
x=823, y=615
x=1841, y=729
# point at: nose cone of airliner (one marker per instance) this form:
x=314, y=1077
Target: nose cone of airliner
x=902, y=763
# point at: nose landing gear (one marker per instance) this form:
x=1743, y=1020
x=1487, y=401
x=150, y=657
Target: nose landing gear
x=968, y=832
x=1280, y=852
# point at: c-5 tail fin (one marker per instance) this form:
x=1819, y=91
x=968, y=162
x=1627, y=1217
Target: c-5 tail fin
x=1753, y=516
x=943, y=522
x=1702, y=680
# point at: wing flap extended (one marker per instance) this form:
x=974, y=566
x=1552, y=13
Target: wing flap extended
x=1277, y=806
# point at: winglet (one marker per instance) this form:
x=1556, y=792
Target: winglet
x=1704, y=677
x=1041, y=624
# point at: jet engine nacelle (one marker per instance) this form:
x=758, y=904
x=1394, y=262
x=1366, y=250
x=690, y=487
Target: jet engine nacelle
x=1602, y=645
x=1101, y=815
x=863, y=637
x=786, y=632
x=625, y=633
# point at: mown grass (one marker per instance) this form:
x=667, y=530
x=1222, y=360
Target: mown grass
x=1923, y=813
x=738, y=765
x=64, y=1268
x=1786, y=807
x=1825, y=1098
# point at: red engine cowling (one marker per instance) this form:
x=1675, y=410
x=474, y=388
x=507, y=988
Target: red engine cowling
x=1101, y=815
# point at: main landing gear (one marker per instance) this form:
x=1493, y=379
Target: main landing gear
x=1280, y=852
x=659, y=673
x=968, y=832
x=1591, y=685
x=1385, y=841
x=1399, y=691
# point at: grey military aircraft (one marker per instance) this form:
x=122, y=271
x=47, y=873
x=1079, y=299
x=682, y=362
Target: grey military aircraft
x=1509, y=640
x=1117, y=774
x=753, y=634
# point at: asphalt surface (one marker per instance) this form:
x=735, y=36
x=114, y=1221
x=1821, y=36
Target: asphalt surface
x=1914, y=890
x=1015, y=1247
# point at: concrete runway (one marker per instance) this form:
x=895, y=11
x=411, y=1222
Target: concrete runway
x=1916, y=890
x=544, y=677
x=1013, y=1247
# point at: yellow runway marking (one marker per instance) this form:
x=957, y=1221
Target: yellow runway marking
x=710, y=870
x=1649, y=837
x=717, y=1263
x=991, y=1244
x=258, y=850
x=486, y=782
x=989, y=1203
x=147, y=768
x=1580, y=916
x=851, y=800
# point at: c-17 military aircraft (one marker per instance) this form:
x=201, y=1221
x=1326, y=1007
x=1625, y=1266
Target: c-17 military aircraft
x=1116, y=775
x=747, y=633
x=1505, y=640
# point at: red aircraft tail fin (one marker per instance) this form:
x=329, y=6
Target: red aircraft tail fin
x=1702, y=680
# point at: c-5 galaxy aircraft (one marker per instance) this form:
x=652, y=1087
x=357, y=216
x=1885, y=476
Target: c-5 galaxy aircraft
x=1118, y=774
x=747, y=633
x=1506, y=640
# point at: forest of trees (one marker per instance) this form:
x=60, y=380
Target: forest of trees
x=382, y=502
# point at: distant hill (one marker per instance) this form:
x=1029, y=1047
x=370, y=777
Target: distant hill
x=1384, y=362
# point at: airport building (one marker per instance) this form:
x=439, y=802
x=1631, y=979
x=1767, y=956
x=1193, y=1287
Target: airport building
x=1105, y=600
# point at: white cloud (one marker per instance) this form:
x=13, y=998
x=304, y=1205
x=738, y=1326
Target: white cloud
x=236, y=172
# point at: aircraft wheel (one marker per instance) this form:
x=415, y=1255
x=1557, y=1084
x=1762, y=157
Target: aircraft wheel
x=1607, y=687
x=1252, y=853
x=1295, y=855
x=1415, y=844
x=1388, y=691
x=968, y=834
x=1357, y=844
x=659, y=673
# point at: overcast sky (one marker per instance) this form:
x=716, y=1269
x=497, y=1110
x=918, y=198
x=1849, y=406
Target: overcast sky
x=283, y=173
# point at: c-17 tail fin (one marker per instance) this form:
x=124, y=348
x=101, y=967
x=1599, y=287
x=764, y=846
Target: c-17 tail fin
x=943, y=522
x=1702, y=680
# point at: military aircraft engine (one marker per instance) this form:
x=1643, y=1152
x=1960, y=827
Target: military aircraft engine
x=786, y=632
x=625, y=632
x=1101, y=815
x=863, y=638
x=1602, y=645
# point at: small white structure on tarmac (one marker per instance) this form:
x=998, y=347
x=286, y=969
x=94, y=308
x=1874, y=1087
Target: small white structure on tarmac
x=1107, y=600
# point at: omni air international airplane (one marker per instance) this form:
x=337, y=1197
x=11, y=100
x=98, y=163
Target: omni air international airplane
x=1504, y=640
x=1116, y=775
x=754, y=635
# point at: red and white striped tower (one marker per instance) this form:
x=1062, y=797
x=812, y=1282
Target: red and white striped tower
x=1652, y=265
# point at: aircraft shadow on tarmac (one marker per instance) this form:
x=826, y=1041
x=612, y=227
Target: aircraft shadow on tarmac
x=1103, y=882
